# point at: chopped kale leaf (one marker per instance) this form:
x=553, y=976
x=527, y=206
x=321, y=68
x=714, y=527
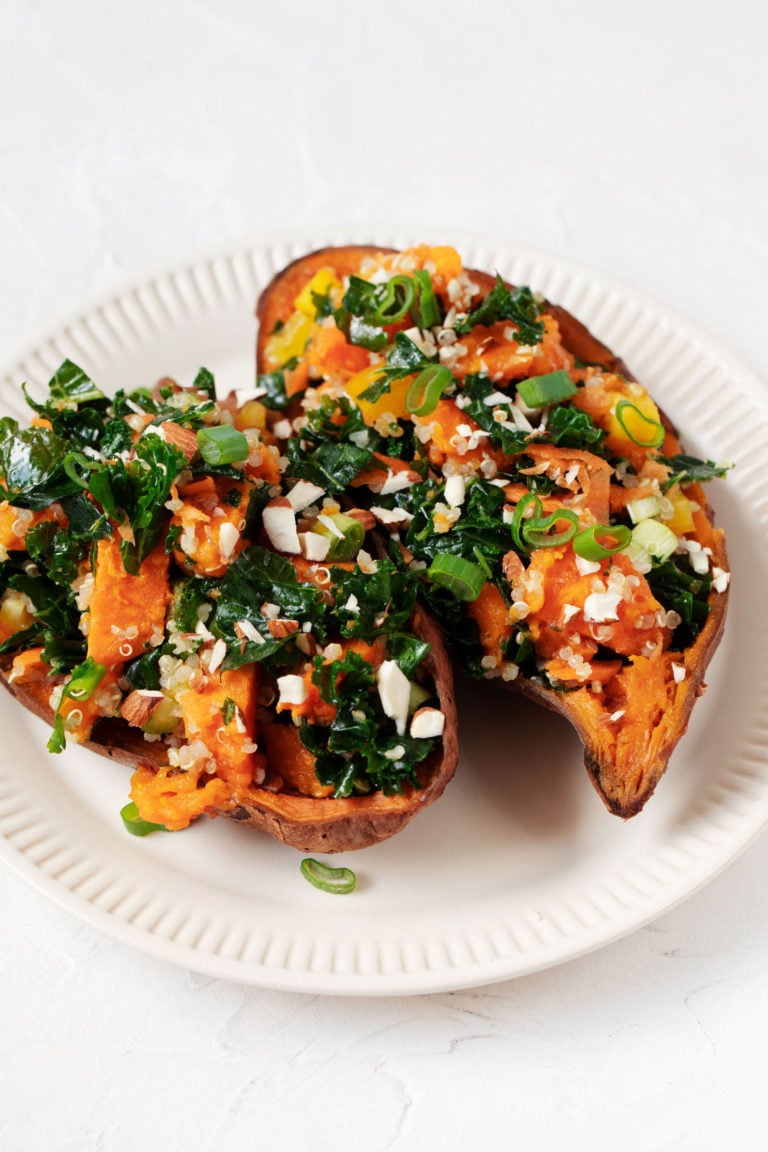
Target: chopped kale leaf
x=32, y=465
x=360, y=750
x=257, y=577
x=383, y=601
x=137, y=491
x=512, y=304
x=275, y=394
x=686, y=469
x=679, y=589
x=569, y=427
x=403, y=359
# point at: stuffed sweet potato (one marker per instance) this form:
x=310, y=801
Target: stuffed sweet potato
x=559, y=532
x=172, y=602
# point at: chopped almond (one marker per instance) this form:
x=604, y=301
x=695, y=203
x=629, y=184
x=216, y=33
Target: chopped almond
x=182, y=438
x=138, y=706
x=512, y=567
x=364, y=517
x=282, y=628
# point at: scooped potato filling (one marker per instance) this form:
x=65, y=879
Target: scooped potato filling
x=556, y=527
x=160, y=571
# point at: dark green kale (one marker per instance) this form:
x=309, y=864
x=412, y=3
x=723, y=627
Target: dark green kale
x=403, y=359
x=205, y=383
x=513, y=304
x=479, y=534
x=333, y=465
x=71, y=384
x=258, y=577
x=274, y=384
x=686, y=469
x=137, y=491
x=33, y=464
x=326, y=453
x=322, y=304
x=359, y=315
x=144, y=672
x=381, y=602
x=569, y=427
x=679, y=589
x=361, y=750
x=56, y=614
x=76, y=408
x=192, y=601
x=475, y=391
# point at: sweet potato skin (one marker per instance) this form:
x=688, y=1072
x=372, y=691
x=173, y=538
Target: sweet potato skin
x=306, y=823
x=623, y=788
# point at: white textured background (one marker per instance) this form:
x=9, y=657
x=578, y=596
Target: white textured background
x=629, y=137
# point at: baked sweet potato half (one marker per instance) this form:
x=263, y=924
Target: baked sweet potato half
x=560, y=533
x=170, y=601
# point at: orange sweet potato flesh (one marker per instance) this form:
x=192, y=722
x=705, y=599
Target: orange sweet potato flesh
x=311, y=824
x=624, y=762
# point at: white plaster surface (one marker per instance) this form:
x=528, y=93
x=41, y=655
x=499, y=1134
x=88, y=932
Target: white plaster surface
x=631, y=137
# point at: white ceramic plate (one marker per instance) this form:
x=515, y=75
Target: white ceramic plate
x=518, y=866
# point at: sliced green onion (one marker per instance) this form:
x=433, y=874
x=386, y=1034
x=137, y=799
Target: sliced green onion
x=418, y=696
x=529, y=532
x=395, y=300
x=658, y=540
x=74, y=460
x=222, y=444
x=461, y=577
x=344, y=532
x=81, y=685
x=639, y=557
x=643, y=509
x=134, y=823
x=426, y=311
x=536, y=532
x=655, y=429
x=516, y=526
x=587, y=545
x=84, y=680
x=426, y=390
x=548, y=389
x=338, y=880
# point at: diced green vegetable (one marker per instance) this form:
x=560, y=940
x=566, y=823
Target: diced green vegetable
x=551, y=388
x=425, y=309
x=222, y=444
x=426, y=390
x=643, y=509
x=340, y=881
x=462, y=578
x=134, y=823
x=587, y=544
x=344, y=532
x=657, y=539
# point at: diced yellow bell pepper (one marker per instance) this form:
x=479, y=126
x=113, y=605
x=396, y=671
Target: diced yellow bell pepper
x=682, y=516
x=14, y=614
x=253, y=414
x=392, y=401
x=635, y=423
x=322, y=283
x=290, y=340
